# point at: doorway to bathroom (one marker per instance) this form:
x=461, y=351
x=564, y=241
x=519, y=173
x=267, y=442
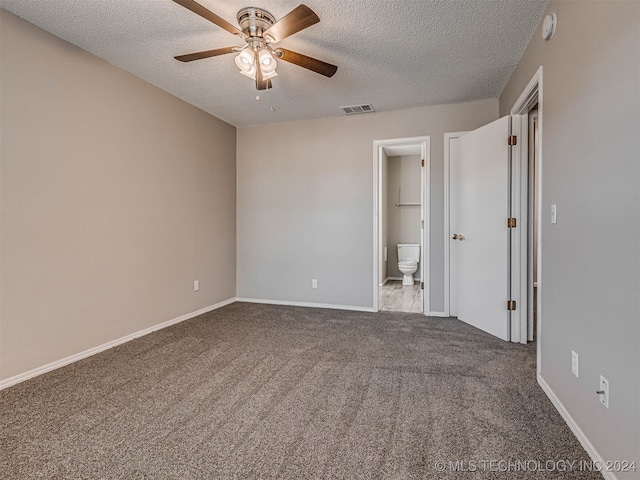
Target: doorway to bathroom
x=401, y=225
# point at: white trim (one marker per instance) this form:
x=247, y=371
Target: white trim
x=306, y=304
x=377, y=162
x=531, y=94
x=437, y=314
x=425, y=251
x=527, y=98
x=415, y=278
x=539, y=227
x=447, y=223
x=384, y=282
x=532, y=162
x=577, y=431
x=106, y=346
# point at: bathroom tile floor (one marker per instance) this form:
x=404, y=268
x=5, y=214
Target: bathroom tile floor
x=395, y=297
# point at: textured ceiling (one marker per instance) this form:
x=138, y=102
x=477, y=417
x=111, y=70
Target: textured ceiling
x=393, y=54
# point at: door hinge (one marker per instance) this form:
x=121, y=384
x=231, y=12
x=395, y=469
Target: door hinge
x=423, y=162
x=422, y=285
x=511, y=222
x=511, y=305
x=513, y=140
x=422, y=223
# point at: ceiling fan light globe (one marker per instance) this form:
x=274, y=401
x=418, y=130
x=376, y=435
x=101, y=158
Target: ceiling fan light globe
x=267, y=76
x=268, y=64
x=251, y=72
x=248, y=74
x=245, y=61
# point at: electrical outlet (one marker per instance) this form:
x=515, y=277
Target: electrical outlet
x=314, y=283
x=603, y=392
x=196, y=285
x=574, y=363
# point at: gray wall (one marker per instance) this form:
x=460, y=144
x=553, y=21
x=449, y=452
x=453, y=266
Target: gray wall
x=305, y=201
x=404, y=222
x=590, y=280
x=115, y=197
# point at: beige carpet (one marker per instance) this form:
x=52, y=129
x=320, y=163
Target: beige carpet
x=256, y=391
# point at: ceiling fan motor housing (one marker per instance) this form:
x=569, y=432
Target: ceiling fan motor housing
x=254, y=21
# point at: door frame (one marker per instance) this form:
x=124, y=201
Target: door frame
x=424, y=143
x=531, y=211
x=531, y=95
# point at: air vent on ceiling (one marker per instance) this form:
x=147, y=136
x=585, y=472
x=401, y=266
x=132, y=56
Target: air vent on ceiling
x=353, y=109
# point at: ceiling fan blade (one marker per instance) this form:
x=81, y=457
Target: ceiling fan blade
x=262, y=84
x=297, y=19
x=190, y=57
x=198, y=9
x=313, y=64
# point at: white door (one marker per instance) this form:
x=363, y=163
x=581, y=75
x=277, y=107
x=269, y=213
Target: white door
x=483, y=240
x=452, y=165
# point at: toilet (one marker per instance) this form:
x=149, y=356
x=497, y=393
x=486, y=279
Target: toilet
x=408, y=258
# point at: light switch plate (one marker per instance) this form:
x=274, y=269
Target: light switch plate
x=604, y=387
x=554, y=214
x=574, y=363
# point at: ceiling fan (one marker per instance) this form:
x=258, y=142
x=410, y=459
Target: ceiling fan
x=260, y=31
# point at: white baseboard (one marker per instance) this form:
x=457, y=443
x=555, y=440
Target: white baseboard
x=415, y=279
x=305, y=304
x=384, y=282
x=105, y=346
x=582, y=438
x=438, y=314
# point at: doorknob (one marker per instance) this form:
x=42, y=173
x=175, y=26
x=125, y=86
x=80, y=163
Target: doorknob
x=457, y=236
x=460, y=237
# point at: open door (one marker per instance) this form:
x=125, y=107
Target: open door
x=482, y=242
